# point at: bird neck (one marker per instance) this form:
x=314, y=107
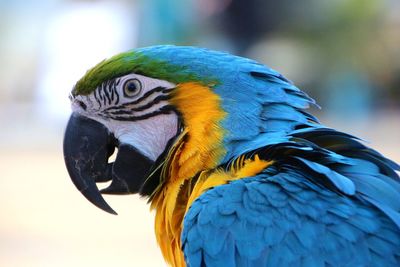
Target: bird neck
x=210, y=138
x=199, y=147
x=172, y=202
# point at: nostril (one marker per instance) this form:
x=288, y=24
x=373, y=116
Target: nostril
x=82, y=105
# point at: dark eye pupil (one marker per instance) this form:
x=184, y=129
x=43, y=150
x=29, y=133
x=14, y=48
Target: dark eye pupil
x=131, y=87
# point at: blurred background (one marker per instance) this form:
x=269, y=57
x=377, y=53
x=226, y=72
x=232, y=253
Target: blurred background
x=344, y=53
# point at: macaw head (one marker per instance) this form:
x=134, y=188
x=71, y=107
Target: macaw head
x=172, y=111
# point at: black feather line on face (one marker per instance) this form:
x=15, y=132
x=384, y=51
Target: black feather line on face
x=101, y=96
x=131, y=111
x=163, y=110
x=96, y=96
x=125, y=112
x=112, y=90
x=144, y=97
x=116, y=92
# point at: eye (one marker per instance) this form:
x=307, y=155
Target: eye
x=132, y=87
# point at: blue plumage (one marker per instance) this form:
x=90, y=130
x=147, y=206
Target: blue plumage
x=328, y=200
x=281, y=228
x=233, y=164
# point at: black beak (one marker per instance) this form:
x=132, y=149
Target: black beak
x=87, y=146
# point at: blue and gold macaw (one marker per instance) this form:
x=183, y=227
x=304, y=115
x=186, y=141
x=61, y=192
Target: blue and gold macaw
x=238, y=173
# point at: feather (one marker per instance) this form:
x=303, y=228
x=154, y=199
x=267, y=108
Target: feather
x=341, y=182
x=253, y=179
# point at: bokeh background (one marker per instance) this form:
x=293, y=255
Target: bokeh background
x=344, y=53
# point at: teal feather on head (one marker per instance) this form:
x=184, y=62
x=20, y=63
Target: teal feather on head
x=137, y=61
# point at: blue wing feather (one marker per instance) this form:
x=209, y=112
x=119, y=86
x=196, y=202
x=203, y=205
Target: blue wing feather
x=327, y=201
x=272, y=226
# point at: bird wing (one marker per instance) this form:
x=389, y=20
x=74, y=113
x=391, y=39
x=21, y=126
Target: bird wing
x=286, y=220
x=328, y=200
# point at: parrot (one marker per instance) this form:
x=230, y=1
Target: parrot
x=235, y=167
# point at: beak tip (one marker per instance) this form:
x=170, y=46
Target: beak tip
x=94, y=196
x=106, y=208
x=112, y=212
x=81, y=165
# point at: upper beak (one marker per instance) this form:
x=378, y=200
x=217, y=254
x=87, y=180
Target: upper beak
x=87, y=146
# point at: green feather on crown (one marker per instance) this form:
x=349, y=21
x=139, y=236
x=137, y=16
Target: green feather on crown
x=131, y=62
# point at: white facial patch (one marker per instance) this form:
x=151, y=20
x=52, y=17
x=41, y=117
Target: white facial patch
x=105, y=97
x=149, y=136
x=134, y=108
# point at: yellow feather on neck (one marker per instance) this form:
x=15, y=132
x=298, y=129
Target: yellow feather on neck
x=239, y=169
x=197, y=151
x=199, y=147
